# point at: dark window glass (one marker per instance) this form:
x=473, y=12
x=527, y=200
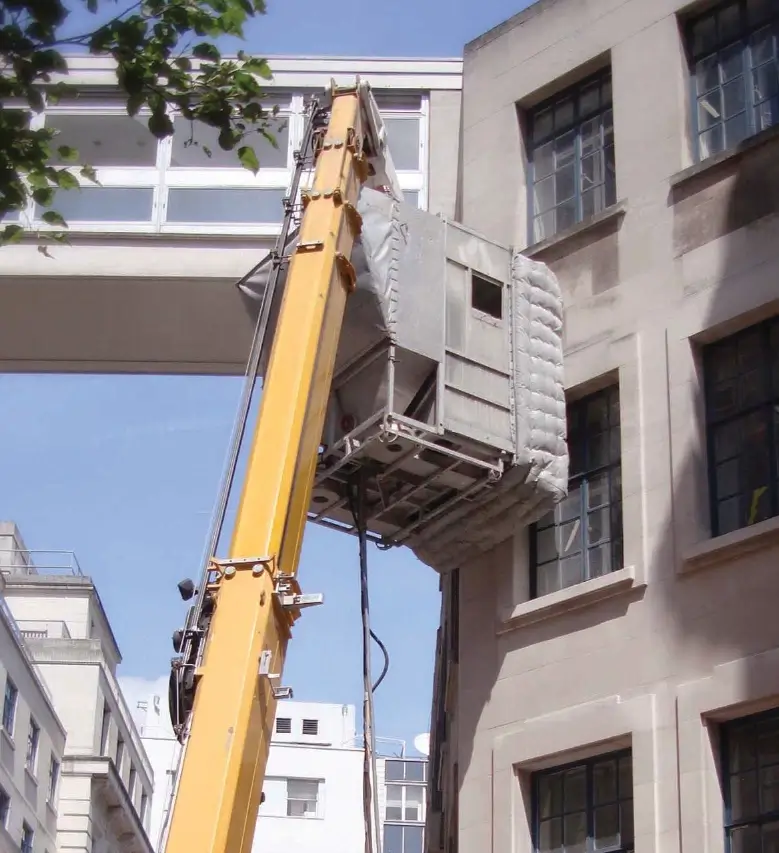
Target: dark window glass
x=586, y=806
x=582, y=537
x=571, y=145
x=742, y=392
x=735, y=72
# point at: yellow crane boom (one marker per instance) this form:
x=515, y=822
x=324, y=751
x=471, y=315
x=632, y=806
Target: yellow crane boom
x=229, y=731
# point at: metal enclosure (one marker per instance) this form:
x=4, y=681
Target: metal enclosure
x=444, y=402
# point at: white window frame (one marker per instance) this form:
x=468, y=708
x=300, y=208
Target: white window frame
x=319, y=813
x=420, y=786
x=33, y=746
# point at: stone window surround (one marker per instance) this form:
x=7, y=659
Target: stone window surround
x=701, y=705
x=586, y=370
x=584, y=731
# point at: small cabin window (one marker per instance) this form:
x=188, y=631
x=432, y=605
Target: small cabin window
x=486, y=296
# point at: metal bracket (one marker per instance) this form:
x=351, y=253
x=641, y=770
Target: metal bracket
x=258, y=565
x=290, y=597
x=266, y=658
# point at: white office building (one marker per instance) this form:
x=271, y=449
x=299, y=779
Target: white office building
x=84, y=777
x=313, y=783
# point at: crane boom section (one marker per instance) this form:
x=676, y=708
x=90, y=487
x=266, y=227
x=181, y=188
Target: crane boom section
x=223, y=766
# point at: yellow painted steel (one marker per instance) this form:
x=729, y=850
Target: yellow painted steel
x=224, y=763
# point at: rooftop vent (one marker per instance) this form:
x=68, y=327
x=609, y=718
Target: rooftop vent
x=283, y=726
x=310, y=727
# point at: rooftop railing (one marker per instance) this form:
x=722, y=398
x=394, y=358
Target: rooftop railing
x=39, y=562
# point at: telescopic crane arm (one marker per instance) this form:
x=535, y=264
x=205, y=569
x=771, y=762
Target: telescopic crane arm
x=245, y=613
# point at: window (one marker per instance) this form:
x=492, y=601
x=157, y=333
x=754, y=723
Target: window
x=405, y=771
x=144, y=806
x=27, y=837
x=131, y=782
x=302, y=798
x=403, y=839
x=585, y=806
x=403, y=139
x=486, y=296
x=750, y=753
x=9, y=706
x=310, y=727
x=105, y=729
x=735, y=72
x=119, y=753
x=33, y=737
x=105, y=139
x=283, y=726
x=5, y=807
x=741, y=376
x=406, y=803
x=54, y=776
x=571, y=152
x=582, y=537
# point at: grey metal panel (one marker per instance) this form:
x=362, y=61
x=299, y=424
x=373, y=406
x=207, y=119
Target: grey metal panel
x=471, y=250
x=472, y=378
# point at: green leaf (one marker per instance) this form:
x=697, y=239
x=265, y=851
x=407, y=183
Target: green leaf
x=90, y=174
x=67, y=153
x=12, y=234
x=160, y=125
x=249, y=159
x=51, y=217
x=66, y=181
x=134, y=103
x=43, y=196
x=259, y=67
x=205, y=50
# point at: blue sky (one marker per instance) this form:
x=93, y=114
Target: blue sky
x=124, y=470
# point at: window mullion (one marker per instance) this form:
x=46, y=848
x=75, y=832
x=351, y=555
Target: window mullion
x=583, y=495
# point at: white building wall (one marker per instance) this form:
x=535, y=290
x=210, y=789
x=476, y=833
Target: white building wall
x=27, y=787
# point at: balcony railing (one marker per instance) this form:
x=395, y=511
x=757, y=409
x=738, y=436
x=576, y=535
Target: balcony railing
x=39, y=562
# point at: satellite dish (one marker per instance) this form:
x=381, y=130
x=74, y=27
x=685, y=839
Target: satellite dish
x=422, y=744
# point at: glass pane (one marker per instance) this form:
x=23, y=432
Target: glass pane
x=604, y=780
x=768, y=745
x=759, y=10
x=733, y=97
x=727, y=479
x=103, y=204
x=544, y=194
x=592, y=171
x=563, y=114
x=543, y=161
x=393, y=839
x=412, y=839
x=597, y=491
x=745, y=839
x=707, y=74
x=762, y=43
x=575, y=789
x=190, y=139
x=769, y=789
x=550, y=795
x=302, y=789
x=771, y=837
x=215, y=205
x=626, y=822
x=394, y=812
x=711, y=142
x=570, y=537
x=704, y=35
x=575, y=832
x=546, y=545
x=542, y=125
x=598, y=450
x=729, y=21
x=741, y=751
x=615, y=444
x=564, y=147
x=606, y=827
x=566, y=215
x=394, y=795
x=743, y=796
x=571, y=571
x=393, y=771
x=590, y=98
x=766, y=82
x=710, y=109
x=414, y=795
x=565, y=184
x=550, y=836
x=732, y=62
x=411, y=197
x=598, y=412
x=736, y=130
x=106, y=140
x=544, y=225
x=547, y=578
x=625, y=777
x=590, y=135
x=403, y=140
x=593, y=201
x=599, y=560
x=415, y=771
x=598, y=527
x=728, y=515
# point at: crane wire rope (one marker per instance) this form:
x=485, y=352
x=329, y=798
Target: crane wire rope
x=371, y=813
x=249, y=387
